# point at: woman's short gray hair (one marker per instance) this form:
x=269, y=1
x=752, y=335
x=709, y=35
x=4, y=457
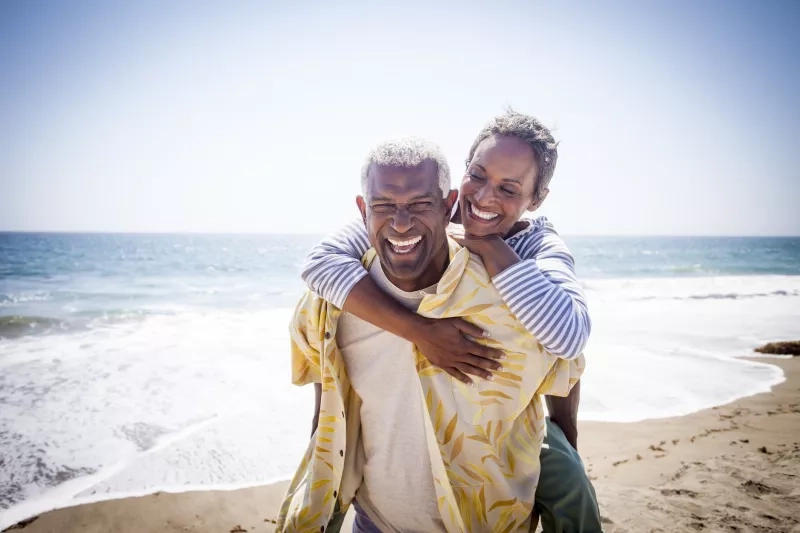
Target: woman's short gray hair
x=406, y=153
x=534, y=133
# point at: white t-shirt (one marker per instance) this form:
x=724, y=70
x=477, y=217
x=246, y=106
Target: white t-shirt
x=397, y=492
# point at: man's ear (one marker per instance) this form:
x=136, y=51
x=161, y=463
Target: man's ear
x=449, y=201
x=537, y=202
x=362, y=206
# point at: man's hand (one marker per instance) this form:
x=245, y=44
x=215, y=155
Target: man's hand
x=446, y=344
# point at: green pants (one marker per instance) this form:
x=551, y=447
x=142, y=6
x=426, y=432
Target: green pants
x=565, y=498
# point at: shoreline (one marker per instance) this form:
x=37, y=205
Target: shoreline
x=727, y=468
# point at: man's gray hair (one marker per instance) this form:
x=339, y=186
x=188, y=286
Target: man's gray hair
x=406, y=153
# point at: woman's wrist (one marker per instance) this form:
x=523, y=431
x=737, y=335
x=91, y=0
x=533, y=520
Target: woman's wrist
x=409, y=325
x=496, y=254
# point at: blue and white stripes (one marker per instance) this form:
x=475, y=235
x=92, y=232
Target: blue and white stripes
x=333, y=267
x=541, y=290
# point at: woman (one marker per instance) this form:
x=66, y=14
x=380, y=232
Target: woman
x=509, y=168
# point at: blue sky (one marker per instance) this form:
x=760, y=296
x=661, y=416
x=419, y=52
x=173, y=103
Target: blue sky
x=674, y=117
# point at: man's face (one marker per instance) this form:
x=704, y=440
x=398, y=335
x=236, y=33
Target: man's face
x=406, y=219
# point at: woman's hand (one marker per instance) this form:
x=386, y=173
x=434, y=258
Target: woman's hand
x=447, y=344
x=495, y=252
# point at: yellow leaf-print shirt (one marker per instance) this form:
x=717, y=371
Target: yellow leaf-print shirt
x=484, y=441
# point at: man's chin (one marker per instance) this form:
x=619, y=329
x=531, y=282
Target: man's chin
x=402, y=276
x=401, y=270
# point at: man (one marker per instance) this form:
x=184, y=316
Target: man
x=415, y=449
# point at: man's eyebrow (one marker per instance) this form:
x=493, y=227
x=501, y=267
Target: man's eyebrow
x=427, y=196
x=424, y=196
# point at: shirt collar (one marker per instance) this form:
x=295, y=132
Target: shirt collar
x=459, y=257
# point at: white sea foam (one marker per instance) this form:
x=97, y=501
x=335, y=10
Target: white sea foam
x=203, y=400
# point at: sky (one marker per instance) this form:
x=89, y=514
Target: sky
x=674, y=117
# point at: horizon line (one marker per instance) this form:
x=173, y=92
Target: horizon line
x=309, y=233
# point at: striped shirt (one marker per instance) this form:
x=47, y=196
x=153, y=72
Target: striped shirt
x=541, y=290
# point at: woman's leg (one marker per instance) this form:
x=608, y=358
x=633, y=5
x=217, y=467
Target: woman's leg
x=565, y=499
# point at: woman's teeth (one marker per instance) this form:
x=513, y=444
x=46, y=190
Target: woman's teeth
x=485, y=215
x=404, y=246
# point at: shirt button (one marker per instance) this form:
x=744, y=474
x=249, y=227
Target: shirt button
x=327, y=334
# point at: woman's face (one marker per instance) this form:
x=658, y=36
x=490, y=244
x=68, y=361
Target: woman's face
x=498, y=186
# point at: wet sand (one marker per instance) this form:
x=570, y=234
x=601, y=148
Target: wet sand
x=734, y=468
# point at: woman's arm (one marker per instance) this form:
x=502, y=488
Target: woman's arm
x=539, y=286
x=333, y=270
x=333, y=267
x=541, y=289
x=564, y=413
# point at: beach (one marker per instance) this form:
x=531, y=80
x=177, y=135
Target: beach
x=729, y=468
x=176, y=177
x=133, y=365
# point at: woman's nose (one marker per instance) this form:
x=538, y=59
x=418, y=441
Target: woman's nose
x=483, y=195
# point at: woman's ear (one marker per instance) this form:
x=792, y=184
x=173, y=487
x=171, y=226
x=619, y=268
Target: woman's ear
x=538, y=200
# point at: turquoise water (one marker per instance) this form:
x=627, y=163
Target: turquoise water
x=136, y=363
x=60, y=282
x=621, y=257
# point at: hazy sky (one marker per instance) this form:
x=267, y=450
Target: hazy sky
x=678, y=117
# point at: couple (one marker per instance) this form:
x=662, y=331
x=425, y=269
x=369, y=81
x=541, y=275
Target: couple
x=406, y=314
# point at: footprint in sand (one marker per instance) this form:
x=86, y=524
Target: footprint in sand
x=756, y=488
x=680, y=492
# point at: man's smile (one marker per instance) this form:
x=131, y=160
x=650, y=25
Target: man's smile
x=404, y=246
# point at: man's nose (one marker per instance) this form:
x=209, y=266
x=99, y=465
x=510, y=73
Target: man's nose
x=401, y=221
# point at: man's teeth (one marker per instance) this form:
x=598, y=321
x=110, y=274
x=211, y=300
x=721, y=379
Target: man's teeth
x=405, y=246
x=485, y=215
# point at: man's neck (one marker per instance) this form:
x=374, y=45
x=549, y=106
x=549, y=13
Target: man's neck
x=431, y=276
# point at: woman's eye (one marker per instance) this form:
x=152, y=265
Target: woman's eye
x=508, y=191
x=477, y=178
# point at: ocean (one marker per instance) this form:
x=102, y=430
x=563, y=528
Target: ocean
x=136, y=363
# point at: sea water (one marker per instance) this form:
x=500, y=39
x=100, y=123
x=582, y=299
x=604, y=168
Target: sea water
x=136, y=363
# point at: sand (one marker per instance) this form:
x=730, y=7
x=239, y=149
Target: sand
x=734, y=468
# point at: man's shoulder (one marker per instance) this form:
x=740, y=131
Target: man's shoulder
x=310, y=311
x=477, y=277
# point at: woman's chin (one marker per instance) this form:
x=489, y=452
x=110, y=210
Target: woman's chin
x=479, y=230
